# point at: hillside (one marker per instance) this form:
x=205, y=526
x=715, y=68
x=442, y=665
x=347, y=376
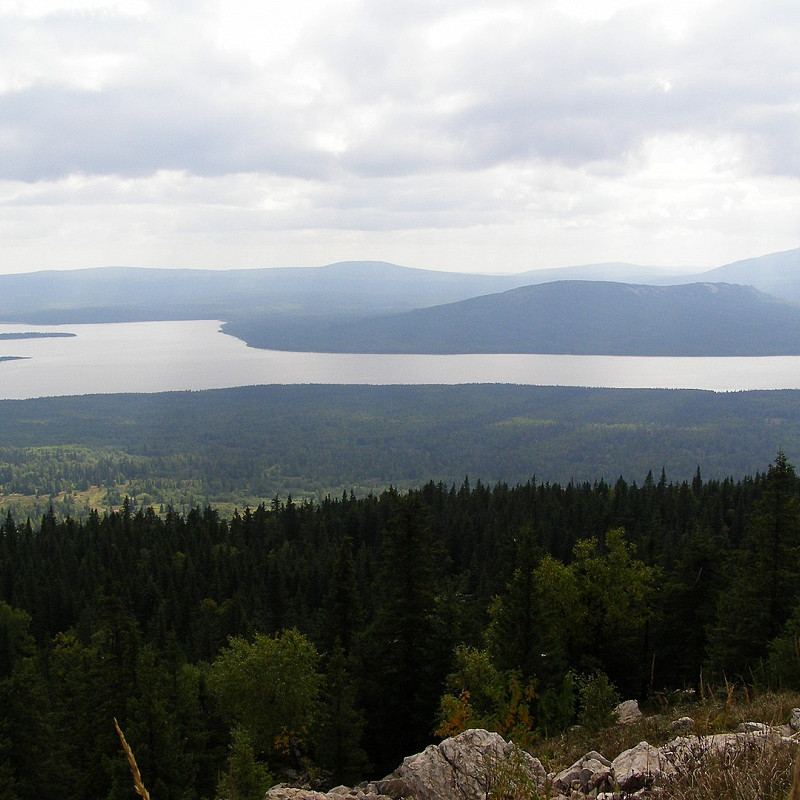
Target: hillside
x=576, y=317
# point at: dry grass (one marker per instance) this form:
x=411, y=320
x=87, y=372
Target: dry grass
x=754, y=774
x=137, y=778
x=751, y=774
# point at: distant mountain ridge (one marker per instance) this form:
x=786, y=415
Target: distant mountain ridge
x=374, y=306
x=113, y=294
x=564, y=317
x=776, y=273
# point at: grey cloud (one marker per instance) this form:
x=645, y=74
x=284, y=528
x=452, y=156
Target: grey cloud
x=49, y=132
x=565, y=91
x=580, y=93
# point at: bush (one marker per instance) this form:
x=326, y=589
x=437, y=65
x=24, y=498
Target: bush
x=597, y=699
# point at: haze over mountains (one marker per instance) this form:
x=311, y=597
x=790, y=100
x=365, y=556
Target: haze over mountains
x=750, y=307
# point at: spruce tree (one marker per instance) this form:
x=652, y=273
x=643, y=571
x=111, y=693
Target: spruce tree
x=403, y=664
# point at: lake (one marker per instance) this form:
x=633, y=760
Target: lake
x=194, y=355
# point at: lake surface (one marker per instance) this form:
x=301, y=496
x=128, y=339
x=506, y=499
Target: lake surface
x=169, y=356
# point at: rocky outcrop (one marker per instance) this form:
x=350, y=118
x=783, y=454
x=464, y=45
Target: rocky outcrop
x=463, y=767
x=339, y=793
x=476, y=763
x=588, y=773
x=637, y=771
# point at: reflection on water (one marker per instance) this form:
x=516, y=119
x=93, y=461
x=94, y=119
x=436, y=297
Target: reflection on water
x=168, y=356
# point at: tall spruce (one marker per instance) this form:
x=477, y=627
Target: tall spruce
x=403, y=665
x=763, y=579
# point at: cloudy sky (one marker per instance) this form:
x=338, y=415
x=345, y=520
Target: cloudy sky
x=472, y=135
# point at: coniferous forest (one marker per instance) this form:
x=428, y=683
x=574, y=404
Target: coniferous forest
x=334, y=638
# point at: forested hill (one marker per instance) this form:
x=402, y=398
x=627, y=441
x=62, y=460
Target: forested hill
x=362, y=627
x=576, y=317
x=233, y=447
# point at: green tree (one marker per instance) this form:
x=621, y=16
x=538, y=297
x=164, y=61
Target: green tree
x=403, y=662
x=246, y=778
x=784, y=654
x=763, y=581
x=615, y=592
x=478, y=695
x=339, y=723
x=163, y=721
x=26, y=769
x=534, y=623
x=341, y=612
x=268, y=687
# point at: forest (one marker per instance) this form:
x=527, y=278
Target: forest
x=234, y=447
x=332, y=638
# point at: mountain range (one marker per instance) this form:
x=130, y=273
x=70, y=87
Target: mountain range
x=749, y=307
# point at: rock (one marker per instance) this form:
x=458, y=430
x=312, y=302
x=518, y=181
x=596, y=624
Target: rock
x=639, y=767
x=389, y=787
x=476, y=763
x=753, y=727
x=794, y=722
x=691, y=751
x=627, y=712
x=590, y=772
x=281, y=792
x=683, y=723
x=463, y=767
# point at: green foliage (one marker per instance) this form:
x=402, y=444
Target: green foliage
x=763, y=576
x=269, y=687
x=616, y=590
x=783, y=663
x=165, y=725
x=402, y=659
x=339, y=724
x=597, y=699
x=16, y=641
x=508, y=778
x=536, y=620
x=481, y=696
x=246, y=777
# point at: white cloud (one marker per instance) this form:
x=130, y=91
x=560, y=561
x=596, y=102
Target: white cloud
x=456, y=133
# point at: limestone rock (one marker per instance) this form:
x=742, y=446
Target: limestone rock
x=640, y=766
x=628, y=712
x=463, y=767
x=281, y=792
x=476, y=762
x=588, y=773
x=753, y=727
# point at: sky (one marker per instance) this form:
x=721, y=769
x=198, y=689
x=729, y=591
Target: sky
x=489, y=136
